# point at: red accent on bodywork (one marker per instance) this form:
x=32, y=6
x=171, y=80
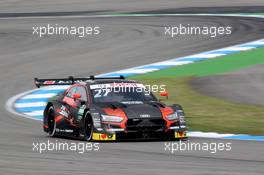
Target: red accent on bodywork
x=45, y=126
x=165, y=112
x=67, y=119
x=58, y=118
x=117, y=112
x=70, y=101
x=103, y=136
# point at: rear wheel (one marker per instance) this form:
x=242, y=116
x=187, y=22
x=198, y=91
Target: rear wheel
x=88, y=127
x=51, y=121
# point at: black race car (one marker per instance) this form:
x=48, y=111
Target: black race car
x=110, y=108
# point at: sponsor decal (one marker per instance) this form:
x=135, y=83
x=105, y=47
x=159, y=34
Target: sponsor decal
x=64, y=111
x=180, y=134
x=81, y=112
x=64, y=130
x=99, y=136
x=49, y=82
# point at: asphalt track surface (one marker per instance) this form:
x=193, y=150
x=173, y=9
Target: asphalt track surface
x=242, y=86
x=36, y=6
x=124, y=42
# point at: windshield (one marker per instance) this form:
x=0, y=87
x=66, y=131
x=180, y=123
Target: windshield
x=123, y=94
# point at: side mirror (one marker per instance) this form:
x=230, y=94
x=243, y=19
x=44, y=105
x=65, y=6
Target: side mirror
x=76, y=96
x=164, y=94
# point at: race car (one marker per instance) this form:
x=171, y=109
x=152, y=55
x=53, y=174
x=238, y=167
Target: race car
x=110, y=108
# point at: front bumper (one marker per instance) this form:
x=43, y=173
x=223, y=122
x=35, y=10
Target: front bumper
x=137, y=129
x=140, y=135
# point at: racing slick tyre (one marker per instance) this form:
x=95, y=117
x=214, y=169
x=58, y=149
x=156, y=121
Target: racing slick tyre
x=88, y=127
x=51, y=121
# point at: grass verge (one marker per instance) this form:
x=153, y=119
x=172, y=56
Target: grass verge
x=208, y=113
x=262, y=14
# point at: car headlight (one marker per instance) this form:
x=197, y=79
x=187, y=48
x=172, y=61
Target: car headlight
x=173, y=116
x=111, y=118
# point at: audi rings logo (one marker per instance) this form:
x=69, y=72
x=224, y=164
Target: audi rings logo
x=144, y=116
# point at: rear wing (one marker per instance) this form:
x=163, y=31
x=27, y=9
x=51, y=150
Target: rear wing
x=70, y=80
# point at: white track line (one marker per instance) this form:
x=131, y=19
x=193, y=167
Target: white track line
x=10, y=102
x=136, y=71
x=237, y=48
x=208, y=134
x=24, y=105
x=173, y=63
x=34, y=113
x=35, y=96
x=209, y=55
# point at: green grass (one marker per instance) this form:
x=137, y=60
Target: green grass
x=206, y=113
x=254, y=14
x=227, y=63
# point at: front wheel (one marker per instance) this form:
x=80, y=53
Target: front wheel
x=88, y=127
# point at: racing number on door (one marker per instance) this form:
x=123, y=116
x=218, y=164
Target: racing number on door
x=101, y=93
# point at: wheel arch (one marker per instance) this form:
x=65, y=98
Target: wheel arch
x=49, y=104
x=177, y=107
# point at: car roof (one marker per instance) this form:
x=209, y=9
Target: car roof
x=103, y=81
